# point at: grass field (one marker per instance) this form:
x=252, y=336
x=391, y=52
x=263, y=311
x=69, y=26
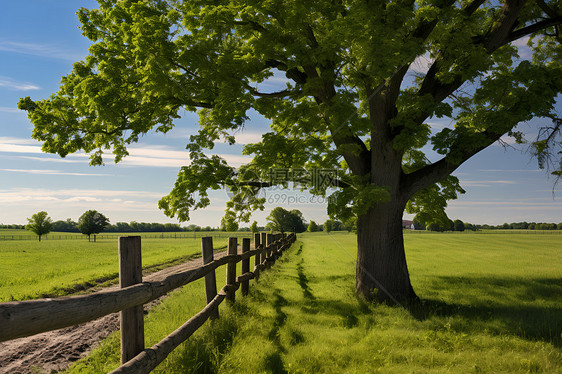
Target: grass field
x=491, y=304
x=29, y=269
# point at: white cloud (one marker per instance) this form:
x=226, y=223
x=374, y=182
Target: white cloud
x=5, y=109
x=248, y=137
x=485, y=183
x=19, y=148
x=141, y=156
x=41, y=50
x=53, y=172
x=18, y=195
x=510, y=170
x=421, y=64
x=46, y=158
x=15, y=85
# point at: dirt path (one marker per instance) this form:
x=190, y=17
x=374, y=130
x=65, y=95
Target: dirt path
x=56, y=350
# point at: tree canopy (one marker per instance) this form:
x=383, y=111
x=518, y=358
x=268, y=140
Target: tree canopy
x=353, y=101
x=40, y=223
x=284, y=220
x=313, y=227
x=92, y=222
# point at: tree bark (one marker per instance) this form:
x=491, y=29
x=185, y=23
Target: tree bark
x=382, y=272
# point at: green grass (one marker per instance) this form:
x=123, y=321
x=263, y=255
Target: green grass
x=490, y=305
x=30, y=269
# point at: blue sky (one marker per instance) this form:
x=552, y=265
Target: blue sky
x=39, y=41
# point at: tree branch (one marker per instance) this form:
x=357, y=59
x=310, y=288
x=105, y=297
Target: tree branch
x=283, y=93
x=496, y=37
x=433, y=173
x=517, y=34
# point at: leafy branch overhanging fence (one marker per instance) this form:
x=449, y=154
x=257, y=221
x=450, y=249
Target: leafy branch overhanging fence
x=26, y=318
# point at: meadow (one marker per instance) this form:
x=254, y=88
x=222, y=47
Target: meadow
x=50, y=268
x=490, y=304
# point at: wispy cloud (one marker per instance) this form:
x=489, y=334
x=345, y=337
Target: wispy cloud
x=5, y=109
x=139, y=156
x=18, y=195
x=15, y=85
x=486, y=183
x=421, y=64
x=41, y=50
x=524, y=205
x=53, y=172
x=509, y=170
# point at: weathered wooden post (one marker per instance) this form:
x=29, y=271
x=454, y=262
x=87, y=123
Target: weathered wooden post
x=245, y=266
x=231, y=270
x=210, y=279
x=132, y=319
x=270, y=254
x=263, y=242
x=257, y=257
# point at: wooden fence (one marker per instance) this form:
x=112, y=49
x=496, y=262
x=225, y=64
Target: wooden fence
x=25, y=318
x=145, y=235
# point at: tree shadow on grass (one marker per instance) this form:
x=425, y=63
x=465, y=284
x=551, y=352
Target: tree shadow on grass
x=530, y=308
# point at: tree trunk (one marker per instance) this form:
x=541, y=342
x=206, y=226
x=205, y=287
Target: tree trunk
x=382, y=272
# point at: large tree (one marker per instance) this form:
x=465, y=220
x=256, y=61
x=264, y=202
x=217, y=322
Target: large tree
x=92, y=222
x=352, y=100
x=40, y=223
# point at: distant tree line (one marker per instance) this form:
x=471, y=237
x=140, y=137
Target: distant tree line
x=458, y=225
x=70, y=226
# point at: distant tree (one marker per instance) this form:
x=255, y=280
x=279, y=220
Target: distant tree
x=65, y=226
x=350, y=224
x=329, y=225
x=123, y=227
x=92, y=222
x=459, y=225
x=312, y=227
x=285, y=221
x=434, y=226
x=40, y=223
x=559, y=226
x=418, y=224
x=254, y=227
x=228, y=222
x=470, y=227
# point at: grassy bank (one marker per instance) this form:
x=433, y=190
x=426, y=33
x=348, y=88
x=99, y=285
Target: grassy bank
x=30, y=269
x=490, y=305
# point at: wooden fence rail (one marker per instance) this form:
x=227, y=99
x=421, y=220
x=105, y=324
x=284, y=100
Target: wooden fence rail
x=30, y=317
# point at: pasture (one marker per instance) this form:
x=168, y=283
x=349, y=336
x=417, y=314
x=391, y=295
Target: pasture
x=490, y=303
x=50, y=268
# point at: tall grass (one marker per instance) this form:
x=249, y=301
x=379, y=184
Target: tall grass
x=489, y=305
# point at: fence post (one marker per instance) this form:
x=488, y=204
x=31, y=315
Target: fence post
x=130, y=273
x=245, y=266
x=269, y=242
x=231, y=270
x=257, y=258
x=210, y=279
x=263, y=242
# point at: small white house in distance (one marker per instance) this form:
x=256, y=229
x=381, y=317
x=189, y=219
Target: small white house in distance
x=408, y=225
